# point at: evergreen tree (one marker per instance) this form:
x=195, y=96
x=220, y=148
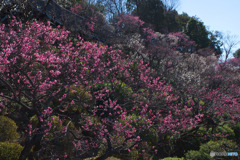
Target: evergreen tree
x=182, y=20
x=237, y=53
x=196, y=30
x=151, y=11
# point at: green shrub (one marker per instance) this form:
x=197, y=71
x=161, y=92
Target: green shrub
x=182, y=145
x=8, y=129
x=118, y=90
x=226, y=130
x=219, y=146
x=109, y=158
x=173, y=158
x=112, y=158
x=117, y=141
x=133, y=155
x=10, y=151
x=80, y=93
x=63, y=144
x=34, y=121
x=219, y=132
x=236, y=129
x=54, y=119
x=196, y=155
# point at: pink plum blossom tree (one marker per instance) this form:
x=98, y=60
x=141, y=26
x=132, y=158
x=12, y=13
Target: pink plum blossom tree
x=112, y=102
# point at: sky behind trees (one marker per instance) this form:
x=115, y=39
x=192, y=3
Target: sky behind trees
x=220, y=15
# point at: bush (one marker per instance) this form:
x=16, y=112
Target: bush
x=76, y=91
x=118, y=90
x=10, y=151
x=172, y=158
x=109, y=158
x=220, y=132
x=133, y=155
x=118, y=140
x=8, y=129
x=64, y=142
x=219, y=146
x=196, y=155
x=54, y=119
x=236, y=129
x=225, y=130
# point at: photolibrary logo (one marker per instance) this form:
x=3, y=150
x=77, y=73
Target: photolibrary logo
x=213, y=154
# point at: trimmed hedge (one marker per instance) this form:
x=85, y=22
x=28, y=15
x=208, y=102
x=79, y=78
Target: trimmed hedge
x=219, y=146
x=197, y=155
x=10, y=151
x=8, y=129
x=172, y=158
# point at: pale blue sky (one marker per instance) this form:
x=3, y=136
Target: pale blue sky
x=220, y=15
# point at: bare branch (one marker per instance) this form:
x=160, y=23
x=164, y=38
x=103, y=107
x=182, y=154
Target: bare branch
x=229, y=43
x=171, y=4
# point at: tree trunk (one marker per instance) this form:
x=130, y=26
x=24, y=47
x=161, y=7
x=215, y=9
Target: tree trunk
x=36, y=139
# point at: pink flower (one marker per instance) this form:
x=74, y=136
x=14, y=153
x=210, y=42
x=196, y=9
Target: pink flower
x=65, y=155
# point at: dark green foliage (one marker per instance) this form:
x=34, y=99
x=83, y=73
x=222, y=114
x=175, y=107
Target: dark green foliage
x=196, y=155
x=236, y=129
x=10, y=151
x=225, y=130
x=76, y=91
x=184, y=144
x=66, y=3
x=219, y=146
x=150, y=136
x=151, y=11
x=237, y=53
x=154, y=12
x=8, y=129
x=172, y=158
x=171, y=21
x=197, y=32
x=215, y=42
x=62, y=143
x=54, y=119
x=133, y=155
x=220, y=131
x=182, y=20
x=118, y=90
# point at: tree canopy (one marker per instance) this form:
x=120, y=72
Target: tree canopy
x=196, y=30
x=236, y=54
